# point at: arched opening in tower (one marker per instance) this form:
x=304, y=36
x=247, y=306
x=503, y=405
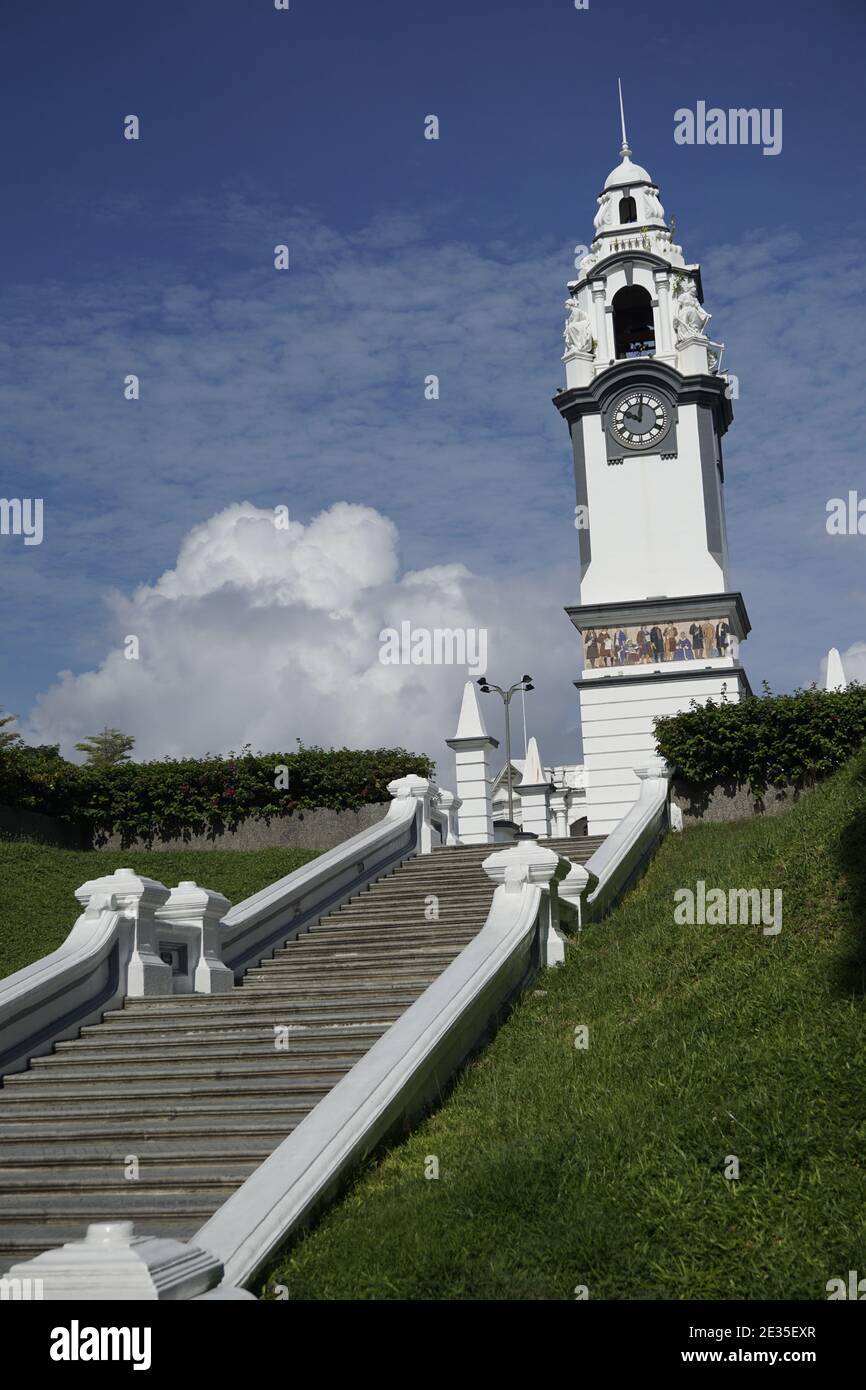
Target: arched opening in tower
x=633, y=329
x=627, y=209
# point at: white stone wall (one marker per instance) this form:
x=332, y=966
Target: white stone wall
x=647, y=521
x=617, y=723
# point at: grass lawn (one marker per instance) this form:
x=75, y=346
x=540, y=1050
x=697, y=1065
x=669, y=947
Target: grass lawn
x=37, y=883
x=605, y=1167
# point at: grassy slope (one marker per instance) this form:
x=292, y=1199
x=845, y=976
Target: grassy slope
x=605, y=1167
x=37, y=883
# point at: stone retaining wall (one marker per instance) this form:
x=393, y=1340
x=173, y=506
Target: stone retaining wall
x=32, y=825
x=729, y=801
x=322, y=828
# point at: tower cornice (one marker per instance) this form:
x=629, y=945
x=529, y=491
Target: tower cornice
x=646, y=610
x=602, y=268
x=711, y=391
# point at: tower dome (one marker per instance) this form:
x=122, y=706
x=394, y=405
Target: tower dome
x=626, y=172
x=630, y=215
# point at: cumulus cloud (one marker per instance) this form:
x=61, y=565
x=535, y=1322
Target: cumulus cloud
x=853, y=664
x=262, y=632
x=305, y=388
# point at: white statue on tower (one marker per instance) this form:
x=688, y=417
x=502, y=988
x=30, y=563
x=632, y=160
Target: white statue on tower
x=578, y=329
x=690, y=319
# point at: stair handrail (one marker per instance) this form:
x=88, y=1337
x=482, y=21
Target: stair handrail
x=113, y=951
x=53, y=997
x=404, y=1070
x=631, y=844
x=413, y=824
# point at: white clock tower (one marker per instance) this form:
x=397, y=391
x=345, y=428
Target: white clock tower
x=647, y=407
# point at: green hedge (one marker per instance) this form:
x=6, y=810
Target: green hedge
x=194, y=796
x=771, y=740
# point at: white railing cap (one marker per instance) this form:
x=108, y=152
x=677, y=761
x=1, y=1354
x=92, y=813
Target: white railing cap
x=127, y=887
x=189, y=899
x=111, y=1262
x=413, y=785
x=528, y=859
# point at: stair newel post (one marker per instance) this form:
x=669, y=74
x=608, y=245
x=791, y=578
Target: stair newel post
x=113, y=1263
x=521, y=866
x=573, y=887
x=450, y=804
x=426, y=794
x=138, y=898
x=194, y=914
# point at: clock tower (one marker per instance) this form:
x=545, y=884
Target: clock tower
x=647, y=406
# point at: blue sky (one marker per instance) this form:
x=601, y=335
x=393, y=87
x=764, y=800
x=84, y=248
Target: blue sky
x=409, y=257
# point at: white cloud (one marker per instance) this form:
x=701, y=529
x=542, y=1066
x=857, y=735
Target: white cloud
x=259, y=634
x=304, y=388
x=853, y=664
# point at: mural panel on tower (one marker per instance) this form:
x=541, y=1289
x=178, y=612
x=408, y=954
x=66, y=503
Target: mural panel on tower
x=648, y=644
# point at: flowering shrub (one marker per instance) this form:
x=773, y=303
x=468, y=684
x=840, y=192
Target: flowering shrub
x=180, y=797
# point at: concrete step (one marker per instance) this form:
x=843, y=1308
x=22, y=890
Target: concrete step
x=344, y=965
x=323, y=972
x=450, y=879
x=252, y=1005
x=396, y=922
x=344, y=961
x=214, y=1177
x=296, y=984
x=106, y=1206
x=399, y=910
x=320, y=985
x=257, y=1018
x=209, y=1127
x=63, y=1079
x=325, y=955
x=273, y=1107
x=205, y=1150
x=406, y=909
x=39, y=1087
x=68, y=1069
x=95, y=1051
x=469, y=880
x=586, y=847
x=122, y=1032
x=382, y=932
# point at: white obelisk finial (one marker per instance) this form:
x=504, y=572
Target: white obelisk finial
x=624, y=149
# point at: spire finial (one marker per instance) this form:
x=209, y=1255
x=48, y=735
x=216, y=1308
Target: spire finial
x=624, y=149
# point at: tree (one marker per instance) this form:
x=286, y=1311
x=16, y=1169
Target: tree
x=107, y=749
x=7, y=736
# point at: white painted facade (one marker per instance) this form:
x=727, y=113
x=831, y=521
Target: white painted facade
x=617, y=723
x=647, y=521
x=472, y=746
x=653, y=538
x=567, y=796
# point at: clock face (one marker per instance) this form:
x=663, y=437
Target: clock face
x=639, y=418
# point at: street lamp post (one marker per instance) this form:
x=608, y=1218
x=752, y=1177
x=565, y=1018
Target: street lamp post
x=525, y=683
